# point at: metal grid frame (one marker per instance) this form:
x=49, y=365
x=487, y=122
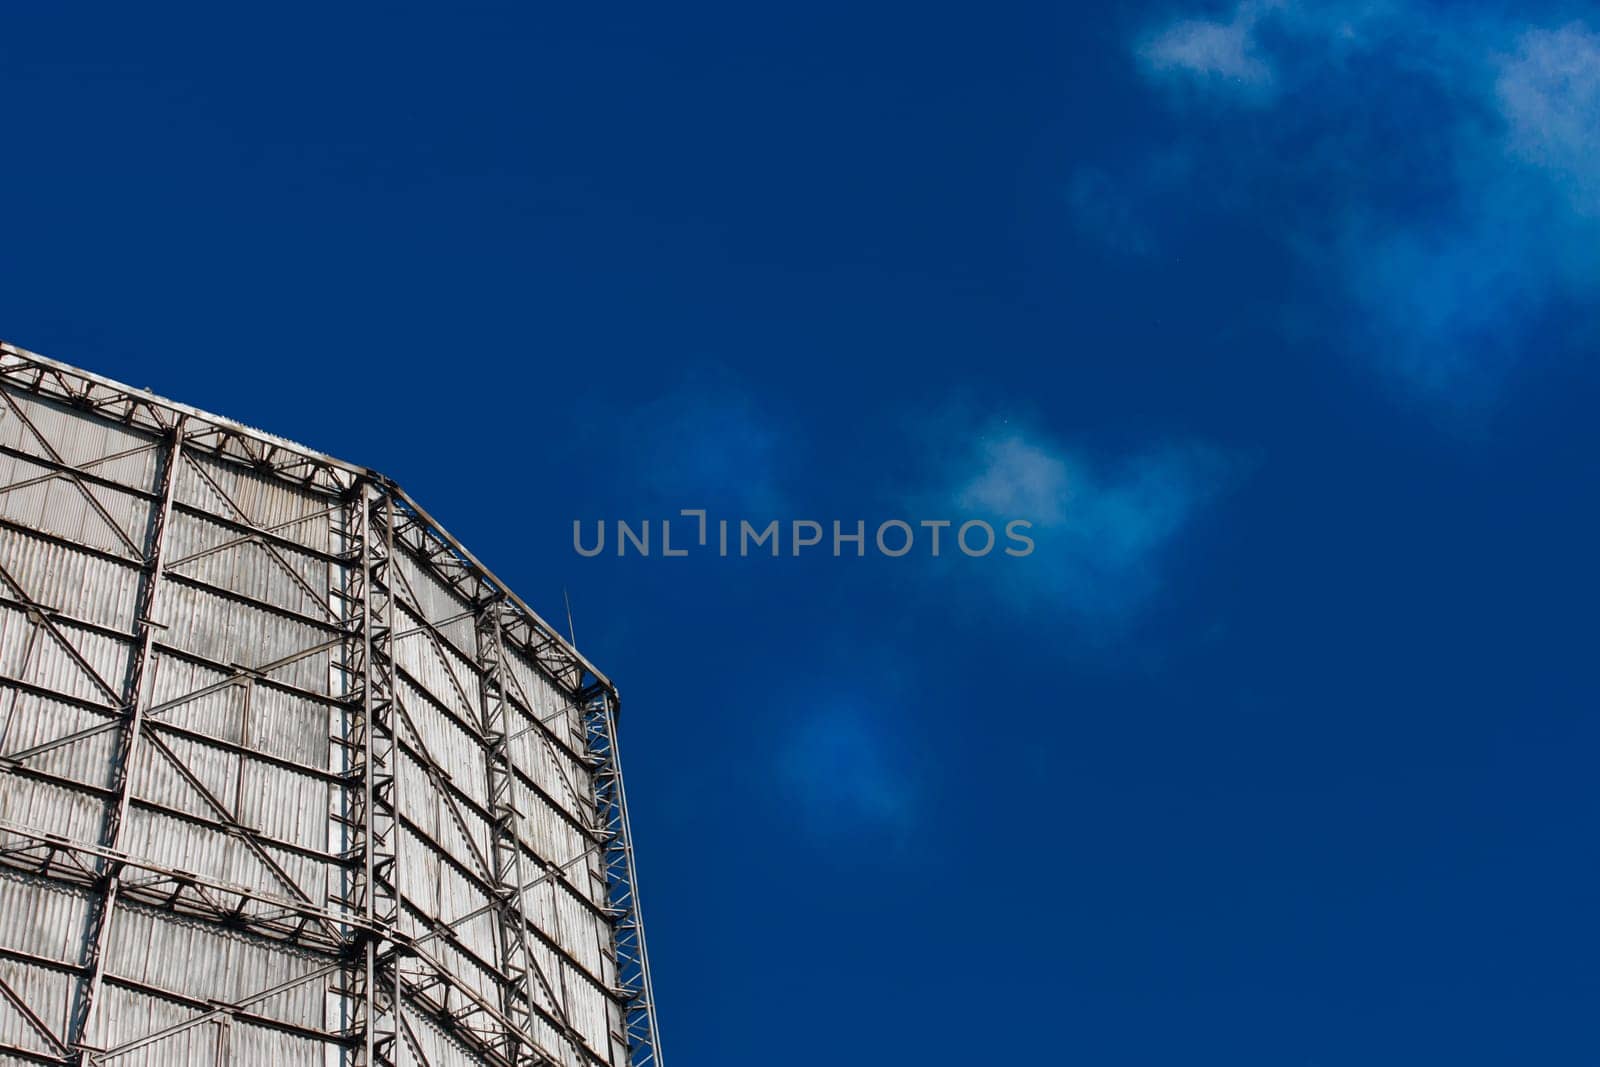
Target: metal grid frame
x=386, y=978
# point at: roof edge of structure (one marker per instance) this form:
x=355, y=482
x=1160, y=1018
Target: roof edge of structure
x=306, y=467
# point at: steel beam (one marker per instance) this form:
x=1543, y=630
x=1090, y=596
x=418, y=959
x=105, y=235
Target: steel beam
x=511, y=928
x=371, y=742
x=622, y=884
x=31, y=1017
x=134, y=703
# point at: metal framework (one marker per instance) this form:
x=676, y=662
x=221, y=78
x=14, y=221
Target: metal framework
x=286, y=774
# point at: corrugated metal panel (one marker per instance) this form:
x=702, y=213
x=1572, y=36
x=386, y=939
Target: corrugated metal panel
x=448, y=678
x=436, y=602
x=48, y=808
x=43, y=917
x=30, y=720
x=553, y=910
x=33, y=653
x=240, y=494
x=92, y=515
x=289, y=727
x=257, y=1044
x=99, y=675
x=439, y=1049
x=227, y=559
x=88, y=587
x=107, y=449
x=48, y=994
x=169, y=952
x=180, y=844
x=548, y=757
x=128, y=1015
x=447, y=743
x=226, y=631
x=551, y=706
x=552, y=837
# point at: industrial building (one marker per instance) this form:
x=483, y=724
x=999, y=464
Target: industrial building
x=287, y=777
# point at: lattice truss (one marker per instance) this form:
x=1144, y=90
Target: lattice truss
x=286, y=776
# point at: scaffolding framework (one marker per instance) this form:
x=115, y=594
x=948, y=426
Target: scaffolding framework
x=286, y=775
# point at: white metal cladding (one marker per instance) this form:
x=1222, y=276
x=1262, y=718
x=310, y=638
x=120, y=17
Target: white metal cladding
x=286, y=775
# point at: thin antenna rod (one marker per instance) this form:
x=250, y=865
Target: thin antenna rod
x=571, y=635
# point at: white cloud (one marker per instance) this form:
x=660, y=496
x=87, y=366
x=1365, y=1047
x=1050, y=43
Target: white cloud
x=1224, y=50
x=1549, y=94
x=1015, y=476
x=1453, y=165
x=1102, y=531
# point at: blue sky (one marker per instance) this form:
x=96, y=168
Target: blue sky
x=1278, y=319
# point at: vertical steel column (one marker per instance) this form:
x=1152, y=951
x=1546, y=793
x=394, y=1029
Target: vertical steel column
x=374, y=898
x=515, y=958
x=622, y=881
x=134, y=702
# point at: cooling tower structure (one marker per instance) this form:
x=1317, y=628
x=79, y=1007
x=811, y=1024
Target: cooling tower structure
x=286, y=775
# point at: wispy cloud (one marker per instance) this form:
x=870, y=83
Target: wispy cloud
x=846, y=772
x=1448, y=164
x=1548, y=90
x=1013, y=475
x=1223, y=50
x=707, y=443
x=1104, y=531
